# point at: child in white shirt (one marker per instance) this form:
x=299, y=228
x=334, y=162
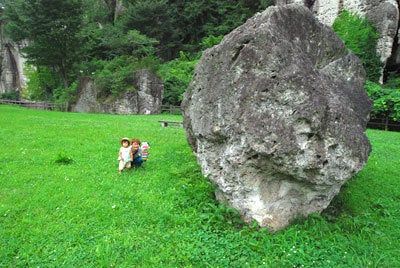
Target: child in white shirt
x=125, y=155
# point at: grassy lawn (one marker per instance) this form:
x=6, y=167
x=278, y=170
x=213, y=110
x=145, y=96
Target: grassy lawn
x=63, y=203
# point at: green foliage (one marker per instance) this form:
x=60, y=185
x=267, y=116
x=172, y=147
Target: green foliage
x=13, y=95
x=255, y=6
x=63, y=159
x=111, y=41
x=65, y=95
x=386, y=101
x=360, y=36
x=177, y=75
x=51, y=33
x=164, y=215
x=181, y=25
x=115, y=77
x=99, y=11
x=206, y=18
x=392, y=81
x=41, y=83
x=112, y=54
x=210, y=41
x=220, y=216
x=154, y=19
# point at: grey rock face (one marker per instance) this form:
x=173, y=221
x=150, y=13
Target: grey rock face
x=384, y=14
x=146, y=99
x=11, y=74
x=87, y=97
x=150, y=92
x=276, y=114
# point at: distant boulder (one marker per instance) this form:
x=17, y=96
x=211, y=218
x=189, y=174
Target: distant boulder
x=277, y=115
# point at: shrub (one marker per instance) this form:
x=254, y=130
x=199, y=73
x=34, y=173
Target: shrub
x=176, y=75
x=65, y=95
x=63, y=159
x=386, y=101
x=41, y=83
x=13, y=95
x=360, y=36
x=115, y=77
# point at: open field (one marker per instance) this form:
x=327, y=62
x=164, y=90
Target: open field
x=63, y=203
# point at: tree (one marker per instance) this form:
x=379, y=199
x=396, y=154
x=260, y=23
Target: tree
x=154, y=19
x=180, y=25
x=50, y=28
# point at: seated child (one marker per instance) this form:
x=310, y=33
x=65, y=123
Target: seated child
x=137, y=153
x=125, y=155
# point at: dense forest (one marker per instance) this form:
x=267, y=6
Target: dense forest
x=108, y=39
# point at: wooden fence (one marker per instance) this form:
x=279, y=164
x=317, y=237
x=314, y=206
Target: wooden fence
x=375, y=123
x=46, y=105
x=171, y=109
x=40, y=105
x=384, y=124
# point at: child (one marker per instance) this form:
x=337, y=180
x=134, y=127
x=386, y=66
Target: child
x=137, y=153
x=145, y=146
x=125, y=155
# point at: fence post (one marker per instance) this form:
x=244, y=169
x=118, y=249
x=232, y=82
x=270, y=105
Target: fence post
x=386, y=123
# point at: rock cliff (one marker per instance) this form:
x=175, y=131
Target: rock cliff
x=383, y=13
x=12, y=77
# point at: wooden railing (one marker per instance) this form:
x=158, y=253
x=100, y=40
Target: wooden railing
x=40, y=105
x=375, y=123
x=171, y=109
x=384, y=124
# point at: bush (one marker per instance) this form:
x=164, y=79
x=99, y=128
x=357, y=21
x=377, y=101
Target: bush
x=13, y=95
x=386, y=101
x=65, y=95
x=360, y=36
x=41, y=83
x=115, y=77
x=63, y=159
x=177, y=75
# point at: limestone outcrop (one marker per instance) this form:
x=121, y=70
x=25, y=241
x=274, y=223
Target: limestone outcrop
x=145, y=99
x=276, y=114
x=383, y=13
x=11, y=75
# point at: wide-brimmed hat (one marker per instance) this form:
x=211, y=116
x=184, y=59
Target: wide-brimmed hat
x=125, y=139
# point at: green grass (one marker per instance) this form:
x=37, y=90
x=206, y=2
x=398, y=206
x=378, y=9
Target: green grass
x=63, y=203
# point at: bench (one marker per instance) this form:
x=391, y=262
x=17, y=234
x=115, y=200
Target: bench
x=165, y=123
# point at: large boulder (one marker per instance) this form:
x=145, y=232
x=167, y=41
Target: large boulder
x=276, y=114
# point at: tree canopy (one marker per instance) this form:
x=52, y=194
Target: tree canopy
x=50, y=29
x=71, y=38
